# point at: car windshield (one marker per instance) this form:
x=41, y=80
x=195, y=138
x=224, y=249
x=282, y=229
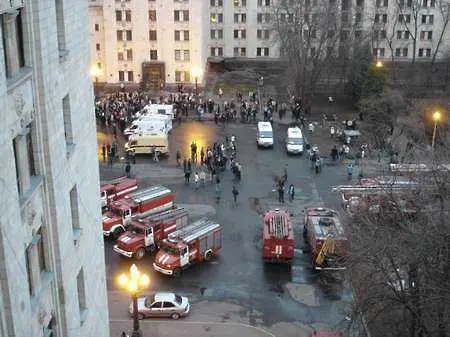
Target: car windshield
x=178, y=299
x=137, y=230
x=266, y=134
x=149, y=300
x=295, y=141
x=169, y=249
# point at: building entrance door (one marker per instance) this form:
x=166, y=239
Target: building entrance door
x=153, y=75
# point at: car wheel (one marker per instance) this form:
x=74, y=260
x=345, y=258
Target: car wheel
x=175, y=315
x=140, y=253
x=140, y=316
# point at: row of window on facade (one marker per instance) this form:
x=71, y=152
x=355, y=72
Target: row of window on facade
x=406, y=3
x=240, y=3
x=405, y=18
x=217, y=18
x=239, y=51
x=402, y=52
x=424, y=35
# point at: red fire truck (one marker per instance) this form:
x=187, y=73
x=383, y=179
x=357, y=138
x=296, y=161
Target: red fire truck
x=193, y=244
x=325, y=238
x=143, y=203
x=116, y=189
x=278, y=237
x=145, y=234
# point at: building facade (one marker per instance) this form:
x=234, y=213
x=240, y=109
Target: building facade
x=165, y=41
x=52, y=266
x=155, y=41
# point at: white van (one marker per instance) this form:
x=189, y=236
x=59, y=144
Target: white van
x=264, y=135
x=159, y=109
x=155, y=124
x=146, y=143
x=294, y=141
x=166, y=118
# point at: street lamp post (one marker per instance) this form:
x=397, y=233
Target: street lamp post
x=436, y=118
x=134, y=283
x=260, y=84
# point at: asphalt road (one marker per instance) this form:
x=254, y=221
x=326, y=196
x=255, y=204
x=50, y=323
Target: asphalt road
x=267, y=294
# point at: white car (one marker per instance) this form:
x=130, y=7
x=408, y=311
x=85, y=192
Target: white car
x=162, y=304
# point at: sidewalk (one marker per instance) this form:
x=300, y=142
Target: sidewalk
x=170, y=328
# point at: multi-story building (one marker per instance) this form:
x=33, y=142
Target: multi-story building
x=52, y=266
x=157, y=41
x=162, y=41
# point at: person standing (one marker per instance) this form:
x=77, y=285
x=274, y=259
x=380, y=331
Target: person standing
x=128, y=169
x=332, y=132
x=349, y=171
x=281, y=193
x=104, y=152
x=235, y=194
x=196, y=180
x=178, y=158
x=291, y=192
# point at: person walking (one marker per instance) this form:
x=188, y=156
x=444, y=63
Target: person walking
x=291, y=192
x=104, y=152
x=202, y=156
x=128, y=169
x=196, y=180
x=349, y=171
x=235, y=194
x=332, y=132
x=281, y=193
x=178, y=158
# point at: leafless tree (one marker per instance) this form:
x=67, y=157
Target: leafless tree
x=444, y=12
x=310, y=33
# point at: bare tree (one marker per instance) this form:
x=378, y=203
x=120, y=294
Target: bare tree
x=444, y=11
x=309, y=33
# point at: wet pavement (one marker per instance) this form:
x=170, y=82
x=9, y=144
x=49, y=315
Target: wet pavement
x=267, y=294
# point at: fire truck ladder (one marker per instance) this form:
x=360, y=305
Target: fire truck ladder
x=327, y=247
x=183, y=233
x=149, y=193
x=167, y=214
x=117, y=180
x=278, y=226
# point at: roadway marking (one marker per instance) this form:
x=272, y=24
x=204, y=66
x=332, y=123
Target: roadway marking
x=267, y=332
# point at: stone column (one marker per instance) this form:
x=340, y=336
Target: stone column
x=11, y=47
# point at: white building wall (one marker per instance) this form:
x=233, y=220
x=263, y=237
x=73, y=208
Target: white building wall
x=33, y=97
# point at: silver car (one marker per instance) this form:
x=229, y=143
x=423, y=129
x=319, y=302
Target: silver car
x=162, y=304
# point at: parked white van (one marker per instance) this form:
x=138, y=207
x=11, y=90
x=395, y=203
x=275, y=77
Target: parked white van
x=158, y=109
x=161, y=124
x=264, y=135
x=294, y=141
x=147, y=143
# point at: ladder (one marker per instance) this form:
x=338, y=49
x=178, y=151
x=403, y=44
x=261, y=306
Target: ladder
x=278, y=226
x=115, y=181
x=327, y=247
x=183, y=233
x=149, y=193
x=171, y=213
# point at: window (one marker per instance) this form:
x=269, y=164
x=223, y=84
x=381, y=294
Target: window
x=240, y=18
x=359, y=3
x=428, y=19
x=97, y=46
x=130, y=76
x=81, y=292
x=28, y=264
x=404, y=18
x=177, y=35
x=168, y=305
x=426, y=35
x=177, y=76
x=345, y=5
x=41, y=251
x=67, y=116
x=185, y=35
x=397, y=52
x=99, y=65
x=240, y=3
x=263, y=3
x=120, y=35
x=259, y=17
x=13, y=48
x=240, y=34
x=152, y=35
x=237, y=51
x=262, y=51
x=128, y=16
x=263, y=34
x=152, y=15
x=153, y=55
x=74, y=210
x=121, y=76
x=129, y=35
x=129, y=54
x=399, y=34
x=405, y=52
x=185, y=15
x=176, y=15
x=120, y=56
x=60, y=26
x=177, y=55
x=216, y=51
x=216, y=3
x=216, y=34
x=216, y=18
x=265, y=17
x=186, y=55
x=378, y=52
x=420, y=53
x=118, y=16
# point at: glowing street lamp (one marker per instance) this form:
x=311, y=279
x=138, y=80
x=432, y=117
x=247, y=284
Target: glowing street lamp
x=134, y=283
x=96, y=72
x=436, y=118
x=197, y=73
x=379, y=64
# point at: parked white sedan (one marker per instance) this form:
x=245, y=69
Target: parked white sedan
x=162, y=304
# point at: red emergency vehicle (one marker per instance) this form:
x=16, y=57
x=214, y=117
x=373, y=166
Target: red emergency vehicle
x=116, y=189
x=193, y=244
x=143, y=203
x=278, y=237
x=144, y=235
x=325, y=239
